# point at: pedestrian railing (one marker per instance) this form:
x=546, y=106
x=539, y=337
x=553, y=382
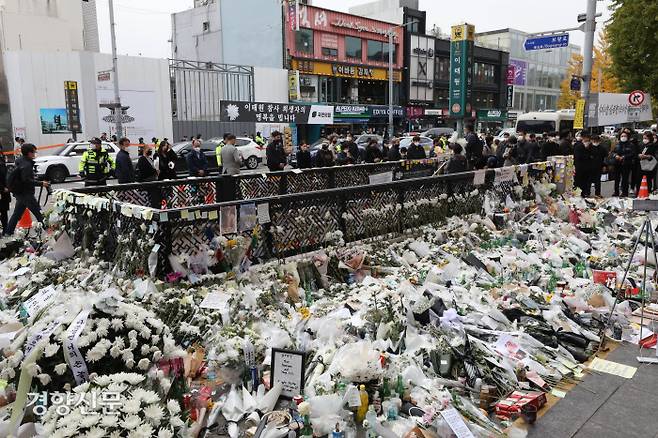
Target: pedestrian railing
x=188, y=192
x=138, y=238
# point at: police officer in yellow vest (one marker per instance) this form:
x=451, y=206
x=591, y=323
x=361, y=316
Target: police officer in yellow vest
x=218, y=153
x=260, y=141
x=96, y=164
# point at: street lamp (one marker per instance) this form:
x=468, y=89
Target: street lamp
x=390, y=75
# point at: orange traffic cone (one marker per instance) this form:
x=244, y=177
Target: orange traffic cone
x=644, y=189
x=26, y=220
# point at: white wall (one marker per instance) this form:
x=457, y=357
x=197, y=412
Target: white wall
x=385, y=10
x=54, y=25
x=36, y=80
x=270, y=84
x=190, y=42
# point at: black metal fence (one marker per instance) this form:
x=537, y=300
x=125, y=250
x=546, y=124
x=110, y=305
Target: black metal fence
x=190, y=192
x=282, y=225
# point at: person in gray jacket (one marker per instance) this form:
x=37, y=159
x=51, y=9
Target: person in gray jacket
x=231, y=159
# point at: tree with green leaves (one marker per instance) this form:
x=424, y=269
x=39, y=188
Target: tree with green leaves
x=633, y=38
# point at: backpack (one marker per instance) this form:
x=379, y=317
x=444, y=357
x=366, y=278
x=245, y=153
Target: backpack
x=13, y=178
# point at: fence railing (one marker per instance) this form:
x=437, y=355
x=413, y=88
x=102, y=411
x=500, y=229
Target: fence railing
x=188, y=192
x=134, y=236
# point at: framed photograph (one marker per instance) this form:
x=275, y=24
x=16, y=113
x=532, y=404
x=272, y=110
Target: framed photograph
x=288, y=367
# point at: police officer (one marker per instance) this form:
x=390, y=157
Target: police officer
x=260, y=141
x=96, y=164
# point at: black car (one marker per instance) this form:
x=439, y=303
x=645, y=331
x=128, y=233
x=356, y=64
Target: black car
x=208, y=148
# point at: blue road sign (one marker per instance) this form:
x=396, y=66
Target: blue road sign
x=547, y=42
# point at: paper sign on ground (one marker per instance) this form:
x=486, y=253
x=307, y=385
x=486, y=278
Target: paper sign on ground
x=614, y=368
x=215, y=300
x=456, y=423
x=505, y=174
x=288, y=369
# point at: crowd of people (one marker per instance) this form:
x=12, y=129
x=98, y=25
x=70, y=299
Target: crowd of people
x=626, y=159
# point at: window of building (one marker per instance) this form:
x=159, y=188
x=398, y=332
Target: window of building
x=326, y=51
x=414, y=26
x=375, y=51
x=385, y=47
x=353, y=47
x=484, y=100
x=484, y=73
x=442, y=69
x=442, y=97
x=206, y=26
x=304, y=40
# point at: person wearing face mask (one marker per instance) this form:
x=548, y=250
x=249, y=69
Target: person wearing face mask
x=647, y=158
x=324, y=157
x=416, y=151
x=147, y=171
x=601, y=152
x=566, y=147
x=96, y=164
x=625, y=156
x=522, y=147
x=373, y=153
x=585, y=161
x=197, y=164
x=549, y=147
x=351, y=150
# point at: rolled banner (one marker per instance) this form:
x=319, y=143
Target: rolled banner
x=71, y=351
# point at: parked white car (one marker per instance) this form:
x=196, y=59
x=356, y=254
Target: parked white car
x=56, y=168
x=252, y=154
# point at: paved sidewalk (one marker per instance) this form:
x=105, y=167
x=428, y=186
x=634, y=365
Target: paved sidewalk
x=621, y=407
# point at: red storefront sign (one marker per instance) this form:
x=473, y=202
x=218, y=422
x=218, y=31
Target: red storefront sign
x=415, y=112
x=511, y=74
x=329, y=31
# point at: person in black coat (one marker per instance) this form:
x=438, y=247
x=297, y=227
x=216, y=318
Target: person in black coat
x=586, y=162
x=394, y=152
x=457, y=162
x=601, y=153
x=549, y=148
x=474, y=147
x=304, y=157
x=532, y=150
x=416, y=151
x=324, y=157
x=566, y=148
x=148, y=172
x=276, y=155
x=197, y=164
x=646, y=156
x=166, y=161
x=625, y=155
x=351, y=150
x=373, y=153
x=124, y=170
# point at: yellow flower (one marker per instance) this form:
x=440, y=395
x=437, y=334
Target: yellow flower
x=305, y=312
x=231, y=243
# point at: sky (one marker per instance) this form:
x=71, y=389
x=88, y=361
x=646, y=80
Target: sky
x=144, y=26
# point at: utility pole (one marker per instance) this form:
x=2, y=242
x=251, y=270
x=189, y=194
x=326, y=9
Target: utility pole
x=118, y=113
x=588, y=52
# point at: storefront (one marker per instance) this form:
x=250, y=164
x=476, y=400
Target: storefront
x=341, y=58
x=490, y=120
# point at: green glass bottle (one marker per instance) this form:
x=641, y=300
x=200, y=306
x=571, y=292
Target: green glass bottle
x=399, y=387
x=385, y=389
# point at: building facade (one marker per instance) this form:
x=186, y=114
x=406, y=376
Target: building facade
x=537, y=73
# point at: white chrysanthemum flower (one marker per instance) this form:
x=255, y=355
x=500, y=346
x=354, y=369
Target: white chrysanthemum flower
x=89, y=421
x=165, y=384
x=154, y=414
x=176, y=421
x=83, y=341
x=117, y=324
x=115, y=434
x=150, y=397
x=131, y=422
x=145, y=349
x=143, y=364
x=95, y=432
x=94, y=355
x=133, y=378
x=165, y=433
x=33, y=369
x=130, y=364
x=127, y=355
x=44, y=379
x=132, y=334
x=143, y=431
x=173, y=407
x=131, y=406
x=51, y=349
x=116, y=387
x=115, y=352
x=102, y=380
x=110, y=420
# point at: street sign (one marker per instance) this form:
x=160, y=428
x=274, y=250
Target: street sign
x=579, y=118
x=575, y=84
x=606, y=109
x=491, y=115
x=547, y=42
x=636, y=98
x=72, y=107
x=461, y=69
x=510, y=96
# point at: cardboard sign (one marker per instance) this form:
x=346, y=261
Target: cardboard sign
x=288, y=368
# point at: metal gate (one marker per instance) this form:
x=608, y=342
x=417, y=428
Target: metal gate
x=196, y=90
